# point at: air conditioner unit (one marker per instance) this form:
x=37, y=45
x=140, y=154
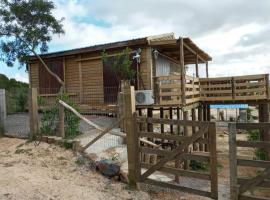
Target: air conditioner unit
x=144, y=97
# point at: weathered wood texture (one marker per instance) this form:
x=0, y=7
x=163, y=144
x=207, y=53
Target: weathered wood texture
x=33, y=111
x=240, y=185
x=165, y=157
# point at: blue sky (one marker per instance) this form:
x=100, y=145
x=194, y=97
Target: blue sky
x=234, y=32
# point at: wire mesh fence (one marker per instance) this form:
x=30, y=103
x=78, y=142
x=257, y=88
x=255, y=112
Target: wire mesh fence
x=16, y=121
x=96, y=105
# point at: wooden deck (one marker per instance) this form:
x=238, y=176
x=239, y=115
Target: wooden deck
x=235, y=89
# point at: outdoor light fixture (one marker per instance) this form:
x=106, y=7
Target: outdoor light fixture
x=155, y=52
x=138, y=56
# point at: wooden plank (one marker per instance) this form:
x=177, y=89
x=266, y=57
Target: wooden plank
x=180, y=172
x=253, y=144
x=170, y=77
x=220, y=92
x=263, y=184
x=249, y=197
x=179, y=188
x=223, y=85
x=250, y=77
x=163, y=136
x=213, y=161
x=170, y=86
x=254, y=181
x=187, y=156
x=175, y=152
x=253, y=163
x=171, y=121
x=250, y=126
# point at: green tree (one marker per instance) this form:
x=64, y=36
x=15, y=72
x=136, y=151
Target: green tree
x=121, y=64
x=26, y=27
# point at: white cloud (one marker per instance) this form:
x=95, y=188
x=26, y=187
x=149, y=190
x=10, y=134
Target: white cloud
x=20, y=76
x=221, y=28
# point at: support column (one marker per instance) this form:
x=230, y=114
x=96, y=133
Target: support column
x=197, y=66
x=132, y=135
x=200, y=118
x=264, y=117
x=33, y=111
x=206, y=66
x=182, y=70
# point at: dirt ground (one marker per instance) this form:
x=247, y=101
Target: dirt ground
x=51, y=172
x=29, y=172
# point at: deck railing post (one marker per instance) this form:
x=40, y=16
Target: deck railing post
x=267, y=85
x=233, y=162
x=132, y=134
x=33, y=111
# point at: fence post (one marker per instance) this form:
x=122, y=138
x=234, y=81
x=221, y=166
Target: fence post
x=3, y=111
x=61, y=121
x=213, y=160
x=233, y=162
x=132, y=134
x=33, y=111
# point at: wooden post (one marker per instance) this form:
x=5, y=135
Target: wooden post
x=132, y=135
x=178, y=117
x=171, y=117
x=264, y=117
x=61, y=121
x=161, y=115
x=197, y=66
x=213, y=160
x=33, y=111
x=233, y=162
x=3, y=111
x=182, y=70
x=206, y=67
x=193, y=118
x=150, y=115
x=186, y=133
x=267, y=85
x=200, y=118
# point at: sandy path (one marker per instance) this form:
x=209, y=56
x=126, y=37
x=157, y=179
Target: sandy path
x=50, y=172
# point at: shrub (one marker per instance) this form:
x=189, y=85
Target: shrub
x=21, y=101
x=50, y=118
x=260, y=154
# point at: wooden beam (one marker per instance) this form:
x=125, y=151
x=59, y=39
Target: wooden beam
x=197, y=66
x=206, y=66
x=194, y=52
x=182, y=70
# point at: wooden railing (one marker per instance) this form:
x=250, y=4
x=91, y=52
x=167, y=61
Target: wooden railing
x=221, y=89
x=192, y=90
x=168, y=90
x=252, y=87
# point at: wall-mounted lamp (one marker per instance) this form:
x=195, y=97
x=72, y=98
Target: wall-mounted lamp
x=138, y=56
x=155, y=52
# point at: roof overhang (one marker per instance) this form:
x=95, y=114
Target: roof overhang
x=171, y=48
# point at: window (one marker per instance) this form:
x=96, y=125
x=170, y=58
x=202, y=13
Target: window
x=47, y=83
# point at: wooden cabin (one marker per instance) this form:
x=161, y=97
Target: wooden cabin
x=162, y=69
